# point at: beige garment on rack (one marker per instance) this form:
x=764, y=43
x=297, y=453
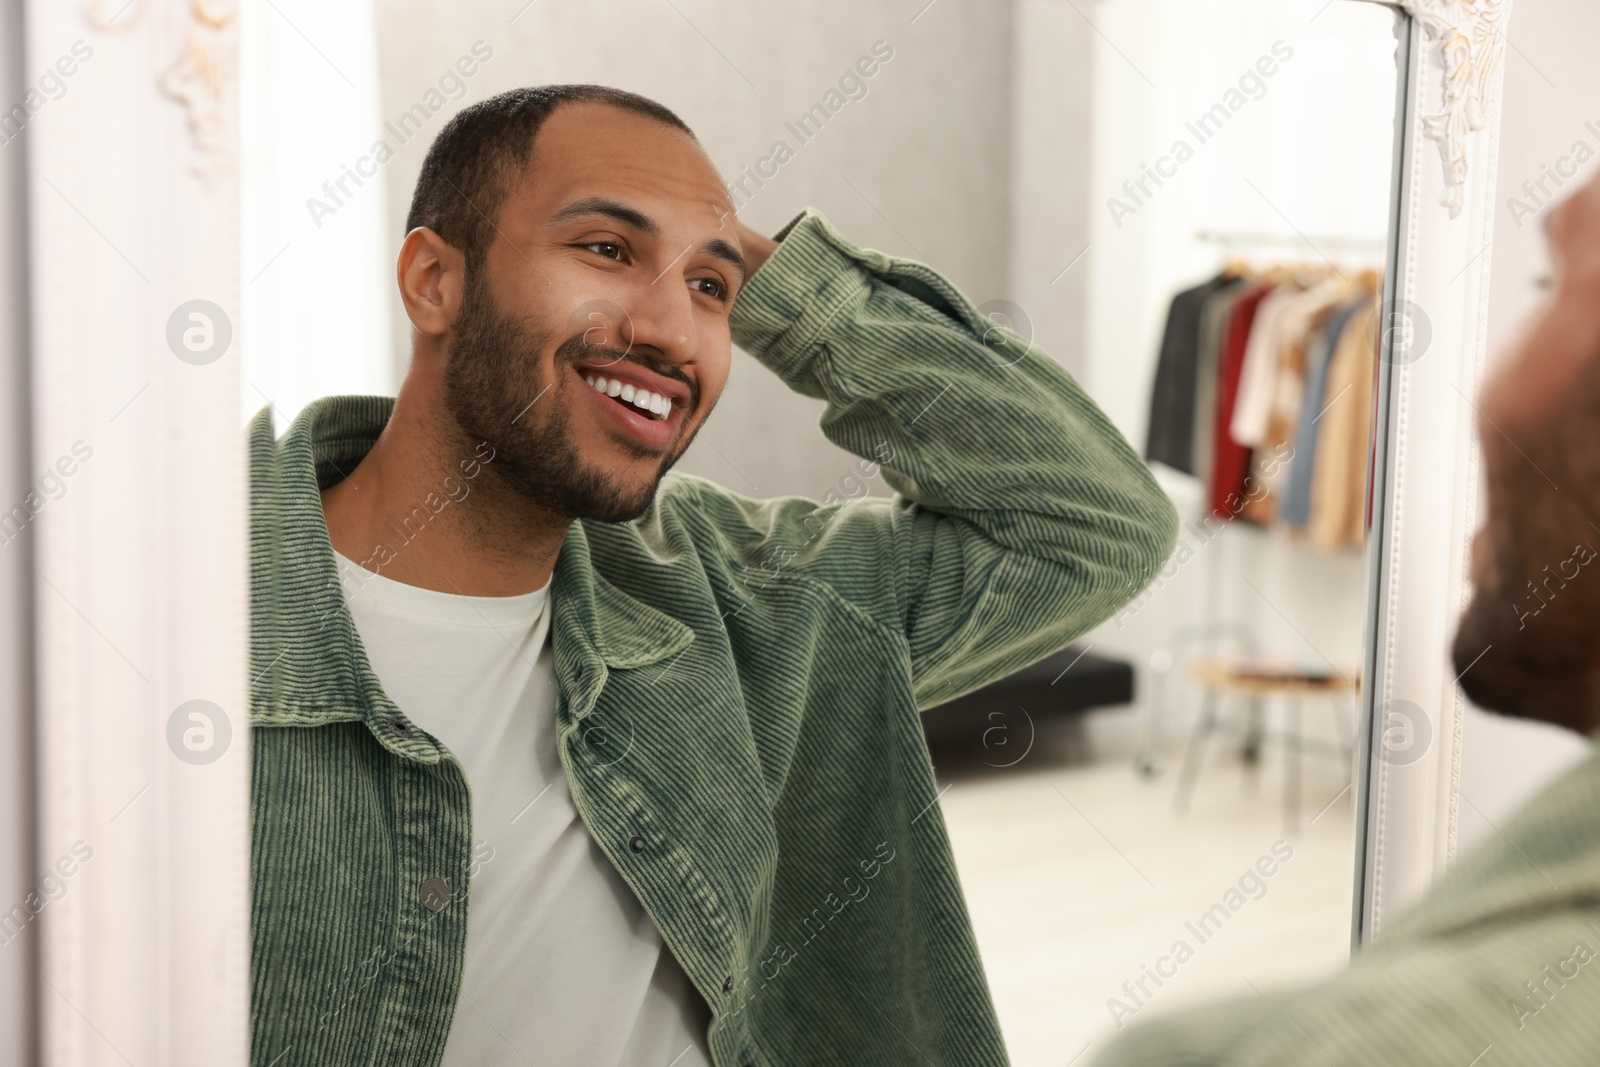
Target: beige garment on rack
x=1299, y=320
x=1339, y=482
x=1252, y=405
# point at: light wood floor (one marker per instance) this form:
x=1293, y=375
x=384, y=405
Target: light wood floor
x=1077, y=875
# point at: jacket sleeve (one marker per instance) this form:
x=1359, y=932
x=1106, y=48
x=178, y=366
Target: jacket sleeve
x=1020, y=518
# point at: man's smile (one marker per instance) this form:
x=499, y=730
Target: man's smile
x=651, y=418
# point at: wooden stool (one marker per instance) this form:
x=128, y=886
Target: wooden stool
x=1259, y=681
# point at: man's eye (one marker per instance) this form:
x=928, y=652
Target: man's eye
x=718, y=290
x=606, y=244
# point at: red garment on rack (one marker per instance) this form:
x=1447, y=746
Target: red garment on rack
x=1230, y=461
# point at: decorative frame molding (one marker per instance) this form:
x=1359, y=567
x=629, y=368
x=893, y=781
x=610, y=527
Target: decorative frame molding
x=204, y=77
x=1435, y=331
x=1472, y=48
x=140, y=587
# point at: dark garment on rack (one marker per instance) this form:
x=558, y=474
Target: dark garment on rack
x=1170, y=436
x=1214, y=315
x=1230, y=461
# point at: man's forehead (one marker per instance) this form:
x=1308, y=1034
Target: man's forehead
x=597, y=151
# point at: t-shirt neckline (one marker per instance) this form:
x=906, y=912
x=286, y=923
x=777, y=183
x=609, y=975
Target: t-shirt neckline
x=498, y=612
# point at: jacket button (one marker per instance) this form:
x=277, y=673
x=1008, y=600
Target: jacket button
x=727, y=984
x=636, y=843
x=579, y=672
x=434, y=894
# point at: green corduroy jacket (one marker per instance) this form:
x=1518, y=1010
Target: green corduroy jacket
x=1498, y=964
x=739, y=688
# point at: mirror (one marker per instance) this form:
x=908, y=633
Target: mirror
x=1196, y=229
x=1165, y=810
x=1182, y=227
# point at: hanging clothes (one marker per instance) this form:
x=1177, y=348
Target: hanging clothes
x=1230, y=460
x=1214, y=318
x=1296, y=505
x=1338, y=484
x=1301, y=319
x=1258, y=375
x=1264, y=390
x=1169, y=438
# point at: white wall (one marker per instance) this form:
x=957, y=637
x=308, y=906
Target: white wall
x=1552, y=102
x=316, y=277
x=1300, y=160
x=1053, y=98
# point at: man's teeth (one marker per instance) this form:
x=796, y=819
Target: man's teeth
x=656, y=405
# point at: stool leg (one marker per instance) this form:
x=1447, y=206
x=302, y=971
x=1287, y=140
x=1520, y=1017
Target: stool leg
x=1150, y=757
x=1252, y=745
x=1291, y=784
x=1191, y=757
x=1347, y=730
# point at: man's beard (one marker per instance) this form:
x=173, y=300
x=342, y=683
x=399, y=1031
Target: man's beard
x=1540, y=665
x=491, y=390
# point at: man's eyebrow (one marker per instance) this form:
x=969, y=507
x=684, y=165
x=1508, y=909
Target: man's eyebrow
x=600, y=205
x=723, y=250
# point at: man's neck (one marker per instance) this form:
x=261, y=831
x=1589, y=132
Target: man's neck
x=426, y=507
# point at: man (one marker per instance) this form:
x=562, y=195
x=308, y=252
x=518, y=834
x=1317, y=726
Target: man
x=664, y=735
x=1500, y=962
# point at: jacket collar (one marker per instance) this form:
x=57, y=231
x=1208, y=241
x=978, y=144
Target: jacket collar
x=308, y=667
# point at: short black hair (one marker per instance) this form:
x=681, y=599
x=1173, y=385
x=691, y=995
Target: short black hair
x=474, y=162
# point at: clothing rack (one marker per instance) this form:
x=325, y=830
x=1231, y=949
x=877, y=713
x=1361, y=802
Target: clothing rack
x=1213, y=632
x=1238, y=237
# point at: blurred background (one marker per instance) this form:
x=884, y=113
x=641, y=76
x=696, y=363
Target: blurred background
x=1104, y=801
x=1011, y=147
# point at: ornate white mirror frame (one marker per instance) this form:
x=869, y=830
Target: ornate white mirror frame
x=140, y=585
x=1424, y=508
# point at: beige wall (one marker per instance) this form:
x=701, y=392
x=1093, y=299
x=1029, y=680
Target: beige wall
x=920, y=166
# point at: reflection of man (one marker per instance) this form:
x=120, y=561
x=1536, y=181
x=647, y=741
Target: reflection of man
x=1500, y=962
x=665, y=734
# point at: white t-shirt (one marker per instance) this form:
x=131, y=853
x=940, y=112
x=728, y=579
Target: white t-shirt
x=563, y=965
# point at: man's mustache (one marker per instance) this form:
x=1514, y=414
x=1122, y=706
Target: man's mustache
x=576, y=349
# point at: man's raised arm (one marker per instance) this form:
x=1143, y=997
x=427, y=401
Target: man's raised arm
x=1022, y=517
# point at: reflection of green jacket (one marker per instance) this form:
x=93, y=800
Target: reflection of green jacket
x=757, y=667
x=1498, y=964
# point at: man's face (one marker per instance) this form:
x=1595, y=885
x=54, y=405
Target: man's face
x=1529, y=642
x=614, y=258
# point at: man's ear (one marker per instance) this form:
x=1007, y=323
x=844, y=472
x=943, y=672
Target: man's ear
x=432, y=277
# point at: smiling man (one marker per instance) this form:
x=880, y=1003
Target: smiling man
x=658, y=740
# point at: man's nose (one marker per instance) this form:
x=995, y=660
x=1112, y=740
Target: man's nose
x=661, y=316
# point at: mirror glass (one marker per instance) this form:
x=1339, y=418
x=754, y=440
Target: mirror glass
x=1163, y=813
x=1187, y=205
